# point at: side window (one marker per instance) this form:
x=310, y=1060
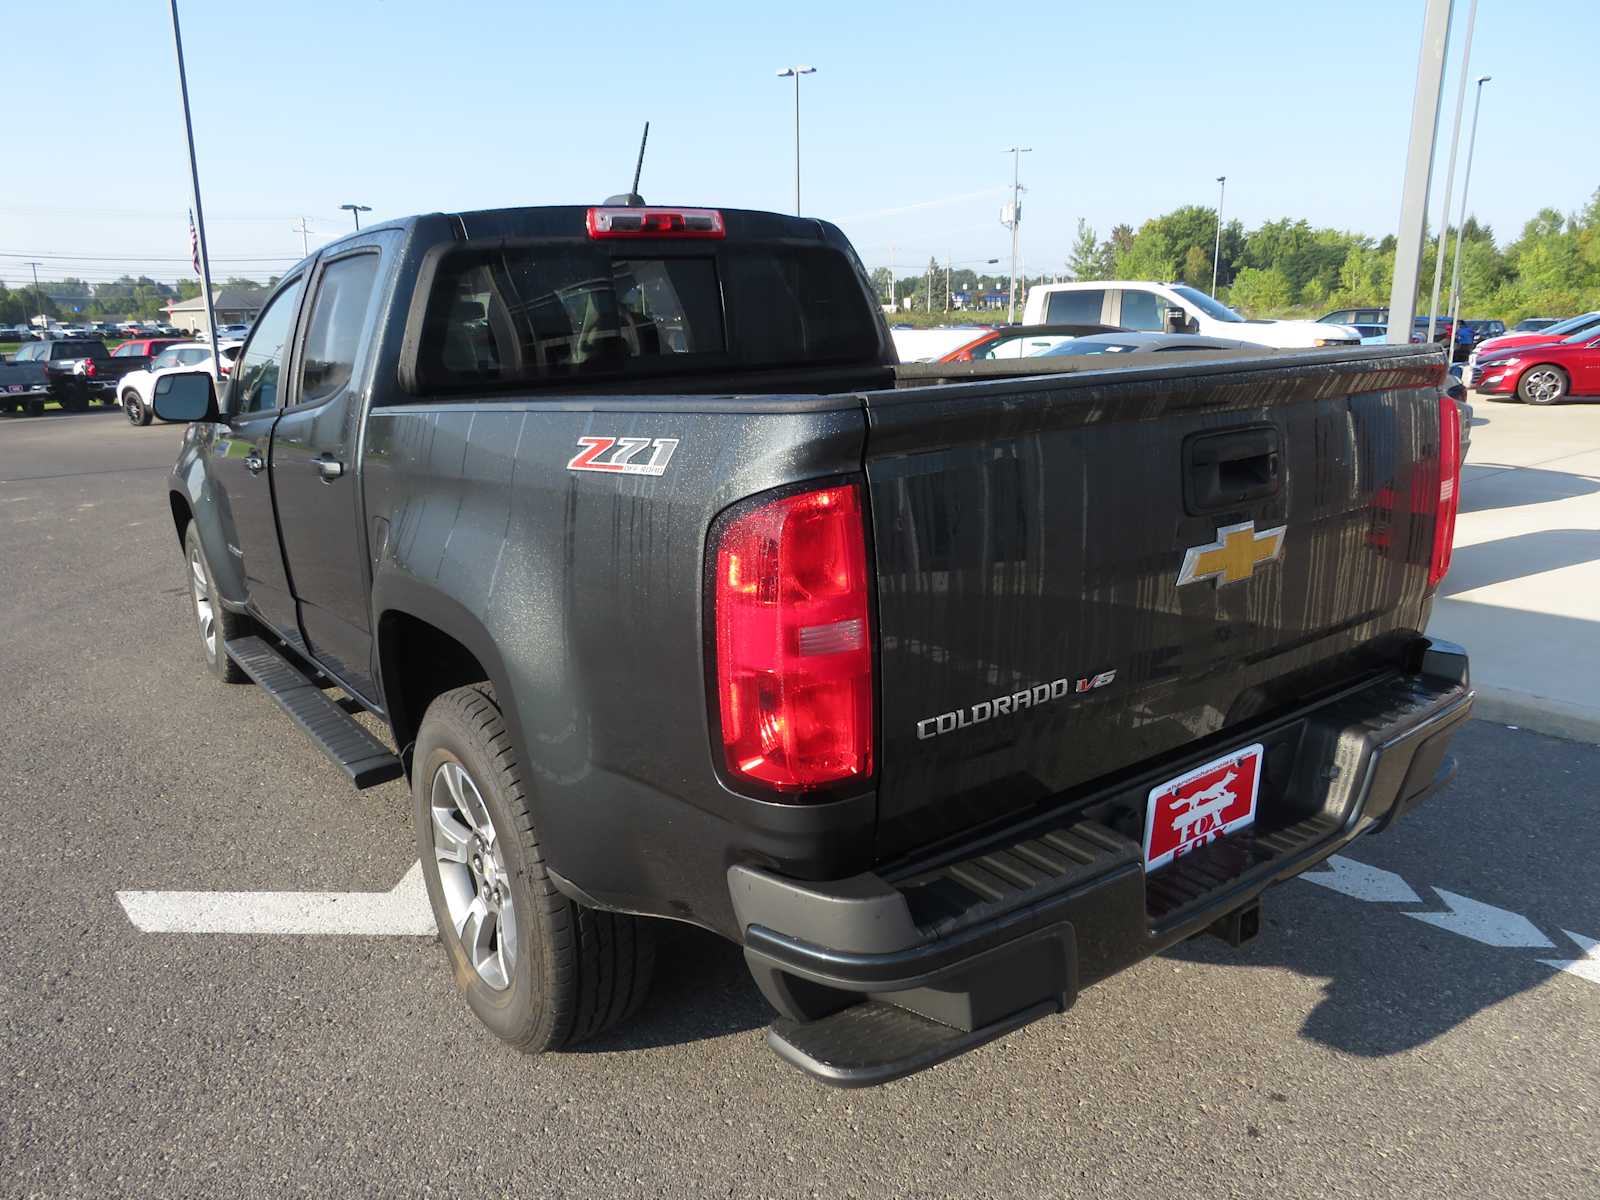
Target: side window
x=1080, y=307
x=266, y=356
x=338, y=316
x=190, y=357
x=167, y=358
x=1142, y=310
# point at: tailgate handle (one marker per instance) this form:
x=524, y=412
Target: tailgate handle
x=1222, y=470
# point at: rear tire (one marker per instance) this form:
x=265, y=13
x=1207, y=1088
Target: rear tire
x=36, y=408
x=540, y=970
x=1543, y=384
x=74, y=398
x=217, y=626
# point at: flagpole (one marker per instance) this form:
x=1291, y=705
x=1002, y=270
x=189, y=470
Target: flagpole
x=199, y=212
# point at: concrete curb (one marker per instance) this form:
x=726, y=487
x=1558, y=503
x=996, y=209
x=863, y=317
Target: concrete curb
x=1558, y=718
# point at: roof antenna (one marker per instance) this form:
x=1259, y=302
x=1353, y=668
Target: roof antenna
x=631, y=198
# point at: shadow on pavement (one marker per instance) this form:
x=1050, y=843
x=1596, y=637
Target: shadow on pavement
x=1499, y=834
x=1518, y=556
x=702, y=990
x=1514, y=487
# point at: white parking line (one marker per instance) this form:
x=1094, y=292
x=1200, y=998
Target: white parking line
x=402, y=911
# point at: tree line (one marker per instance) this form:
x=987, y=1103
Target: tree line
x=73, y=299
x=1290, y=268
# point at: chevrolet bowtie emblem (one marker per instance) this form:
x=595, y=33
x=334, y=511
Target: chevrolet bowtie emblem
x=1233, y=556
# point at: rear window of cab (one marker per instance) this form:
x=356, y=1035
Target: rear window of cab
x=546, y=313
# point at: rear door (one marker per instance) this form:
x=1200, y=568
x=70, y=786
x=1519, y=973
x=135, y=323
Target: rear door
x=314, y=453
x=1085, y=572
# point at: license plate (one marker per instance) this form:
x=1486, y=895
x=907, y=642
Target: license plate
x=1201, y=806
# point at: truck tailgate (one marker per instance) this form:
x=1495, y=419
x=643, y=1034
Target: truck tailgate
x=1084, y=572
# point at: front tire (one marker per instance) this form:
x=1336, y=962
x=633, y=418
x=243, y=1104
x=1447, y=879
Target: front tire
x=1543, y=384
x=217, y=626
x=134, y=409
x=540, y=970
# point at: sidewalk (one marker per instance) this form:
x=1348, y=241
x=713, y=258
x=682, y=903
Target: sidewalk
x=1523, y=593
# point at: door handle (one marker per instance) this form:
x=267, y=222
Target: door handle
x=328, y=467
x=254, y=463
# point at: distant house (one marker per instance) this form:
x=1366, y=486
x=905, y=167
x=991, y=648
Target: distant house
x=233, y=305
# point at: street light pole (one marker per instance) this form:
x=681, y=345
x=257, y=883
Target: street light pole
x=1449, y=179
x=355, y=210
x=1216, y=254
x=784, y=74
x=1016, y=153
x=1466, y=182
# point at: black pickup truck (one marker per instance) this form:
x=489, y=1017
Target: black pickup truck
x=944, y=691
x=79, y=370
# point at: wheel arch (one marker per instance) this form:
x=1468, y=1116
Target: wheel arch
x=429, y=644
x=1516, y=388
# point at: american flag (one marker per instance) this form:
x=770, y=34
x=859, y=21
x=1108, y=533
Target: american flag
x=194, y=243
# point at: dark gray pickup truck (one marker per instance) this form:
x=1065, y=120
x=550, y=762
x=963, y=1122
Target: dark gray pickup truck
x=943, y=691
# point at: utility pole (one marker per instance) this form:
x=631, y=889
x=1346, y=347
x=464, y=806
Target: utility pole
x=194, y=181
x=1216, y=255
x=947, y=284
x=38, y=296
x=784, y=74
x=1449, y=180
x=1472, y=145
x=1419, y=167
x=305, y=238
x=893, y=302
x=1015, y=214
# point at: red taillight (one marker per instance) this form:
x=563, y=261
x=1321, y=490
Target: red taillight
x=90, y=369
x=794, y=641
x=655, y=223
x=1444, y=524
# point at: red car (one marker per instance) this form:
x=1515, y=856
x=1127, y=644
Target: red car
x=1543, y=374
x=144, y=347
x=1539, y=337
x=1019, y=341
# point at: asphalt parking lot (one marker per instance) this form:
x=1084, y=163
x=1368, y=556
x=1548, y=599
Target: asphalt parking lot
x=1419, y=1021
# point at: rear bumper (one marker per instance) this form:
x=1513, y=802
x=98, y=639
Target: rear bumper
x=884, y=974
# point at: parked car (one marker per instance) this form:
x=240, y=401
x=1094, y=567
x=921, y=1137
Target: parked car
x=916, y=692
x=74, y=367
x=1535, y=324
x=1142, y=305
x=136, y=387
x=1545, y=373
x=132, y=355
x=1130, y=342
x=232, y=333
x=1549, y=335
x=24, y=386
x=1482, y=329
x=1017, y=341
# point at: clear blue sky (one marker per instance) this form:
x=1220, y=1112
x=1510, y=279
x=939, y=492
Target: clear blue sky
x=408, y=106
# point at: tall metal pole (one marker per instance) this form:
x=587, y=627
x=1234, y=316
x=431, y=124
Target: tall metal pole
x=1466, y=182
x=1419, y=166
x=1216, y=254
x=1016, y=153
x=194, y=180
x=784, y=74
x=38, y=296
x=1449, y=180
x=355, y=210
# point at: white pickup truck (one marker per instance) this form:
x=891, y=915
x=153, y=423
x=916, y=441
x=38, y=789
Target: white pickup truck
x=1139, y=304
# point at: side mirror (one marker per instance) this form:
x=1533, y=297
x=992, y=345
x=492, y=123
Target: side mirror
x=186, y=396
x=1177, y=320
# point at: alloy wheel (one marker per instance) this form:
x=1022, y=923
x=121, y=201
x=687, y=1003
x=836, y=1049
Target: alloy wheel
x=204, y=612
x=473, y=876
x=1543, y=385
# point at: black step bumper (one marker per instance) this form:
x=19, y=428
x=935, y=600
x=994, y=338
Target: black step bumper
x=884, y=974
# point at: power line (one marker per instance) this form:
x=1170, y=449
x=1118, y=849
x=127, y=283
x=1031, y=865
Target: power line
x=121, y=258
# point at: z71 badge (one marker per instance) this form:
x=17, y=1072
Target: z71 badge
x=617, y=454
